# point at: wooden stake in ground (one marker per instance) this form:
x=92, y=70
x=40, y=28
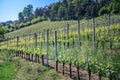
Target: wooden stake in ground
x=79, y=34
x=68, y=35
x=56, y=52
x=109, y=31
x=93, y=26
x=47, y=47
x=17, y=45
x=35, y=38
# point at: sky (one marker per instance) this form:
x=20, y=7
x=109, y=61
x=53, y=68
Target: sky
x=9, y=9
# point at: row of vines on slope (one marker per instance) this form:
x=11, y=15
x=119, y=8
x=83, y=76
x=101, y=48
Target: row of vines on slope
x=73, y=47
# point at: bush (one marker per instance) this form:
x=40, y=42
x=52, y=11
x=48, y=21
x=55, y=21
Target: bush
x=38, y=19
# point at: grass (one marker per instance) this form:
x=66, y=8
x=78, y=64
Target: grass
x=35, y=71
x=20, y=69
x=7, y=71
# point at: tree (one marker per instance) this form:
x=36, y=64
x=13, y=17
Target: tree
x=116, y=6
x=2, y=31
x=26, y=14
x=103, y=10
x=20, y=17
x=37, y=12
x=54, y=11
x=70, y=10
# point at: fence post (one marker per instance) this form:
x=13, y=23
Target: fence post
x=94, y=36
x=68, y=35
x=43, y=35
x=47, y=47
x=17, y=45
x=108, y=23
x=56, y=52
x=17, y=41
x=73, y=42
x=35, y=37
x=79, y=44
x=42, y=44
x=64, y=38
x=109, y=31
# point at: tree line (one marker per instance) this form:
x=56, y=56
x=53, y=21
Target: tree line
x=65, y=10
x=71, y=10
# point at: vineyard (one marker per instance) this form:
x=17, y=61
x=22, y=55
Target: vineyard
x=90, y=45
x=39, y=27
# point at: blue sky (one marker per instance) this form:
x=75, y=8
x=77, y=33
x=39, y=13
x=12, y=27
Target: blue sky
x=9, y=9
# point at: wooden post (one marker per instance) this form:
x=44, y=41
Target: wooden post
x=93, y=26
x=42, y=44
x=89, y=71
x=108, y=23
x=73, y=42
x=17, y=41
x=68, y=35
x=56, y=52
x=47, y=47
x=68, y=48
x=64, y=38
x=17, y=45
x=24, y=39
x=100, y=71
x=109, y=31
x=78, y=72
x=42, y=56
x=63, y=65
x=79, y=35
x=70, y=68
x=43, y=35
x=35, y=37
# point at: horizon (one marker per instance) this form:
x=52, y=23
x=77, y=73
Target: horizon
x=9, y=9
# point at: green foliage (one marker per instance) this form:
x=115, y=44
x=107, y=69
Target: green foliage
x=24, y=70
x=20, y=17
x=103, y=10
x=116, y=6
x=36, y=20
x=21, y=25
x=2, y=31
x=7, y=69
x=26, y=14
x=69, y=10
x=94, y=61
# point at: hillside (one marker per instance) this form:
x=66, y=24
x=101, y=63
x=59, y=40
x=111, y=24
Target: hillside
x=92, y=47
x=60, y=40
x=39, y=27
